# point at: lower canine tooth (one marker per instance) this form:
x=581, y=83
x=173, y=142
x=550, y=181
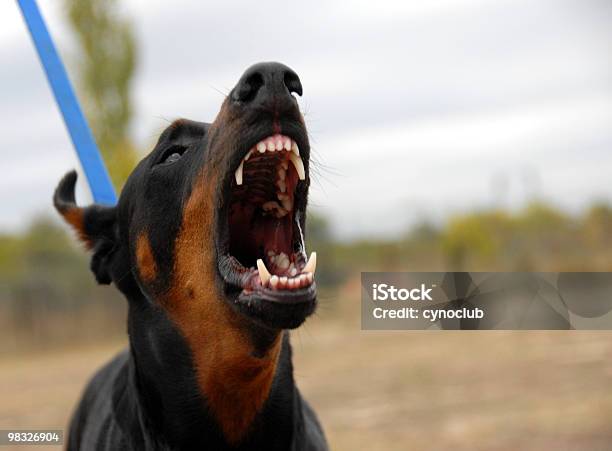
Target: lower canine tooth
x=238, y=173
x=264, y=274
x=299, y=165
x=311, y=266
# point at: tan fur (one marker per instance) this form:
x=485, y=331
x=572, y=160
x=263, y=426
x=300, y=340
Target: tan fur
x=147, y=268
x=74, y=217
x=234, y=381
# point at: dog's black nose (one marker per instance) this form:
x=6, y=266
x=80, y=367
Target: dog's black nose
x=264, y=83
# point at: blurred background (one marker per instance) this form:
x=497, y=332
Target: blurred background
x=447, y=135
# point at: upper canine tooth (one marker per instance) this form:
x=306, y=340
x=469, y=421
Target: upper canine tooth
x=312, y=264
x=264, y=274
x=238, y=173
x=299, y=166
x=294, y=148
x=261, y=146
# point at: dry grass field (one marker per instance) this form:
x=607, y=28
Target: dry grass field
x=392, y=390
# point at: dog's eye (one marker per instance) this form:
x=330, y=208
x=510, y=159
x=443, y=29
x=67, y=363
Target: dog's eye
x=172, y=154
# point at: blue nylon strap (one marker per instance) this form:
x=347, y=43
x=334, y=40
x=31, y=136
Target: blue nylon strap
x=82, y=138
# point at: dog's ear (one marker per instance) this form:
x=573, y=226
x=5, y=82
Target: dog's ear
x=96, y=226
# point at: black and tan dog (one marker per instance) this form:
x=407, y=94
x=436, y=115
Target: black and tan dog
x=206, y=243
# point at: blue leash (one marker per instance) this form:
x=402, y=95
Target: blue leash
x=82, y=138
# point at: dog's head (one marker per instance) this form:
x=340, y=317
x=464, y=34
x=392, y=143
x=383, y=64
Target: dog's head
x=210, y=224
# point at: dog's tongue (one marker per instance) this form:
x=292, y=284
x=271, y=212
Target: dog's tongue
x=274, y=234
x=259, y=236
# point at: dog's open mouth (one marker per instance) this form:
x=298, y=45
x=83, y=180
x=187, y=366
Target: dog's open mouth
x=264, y=247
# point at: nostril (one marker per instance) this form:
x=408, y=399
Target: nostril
x=292, y=82
x=248, y=89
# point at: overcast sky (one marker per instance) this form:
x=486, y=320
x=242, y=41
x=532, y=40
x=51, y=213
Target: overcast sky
x=416, y=110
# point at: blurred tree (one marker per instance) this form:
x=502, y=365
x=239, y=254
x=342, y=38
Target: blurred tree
x=598, y=224
x=107, y=59
x=477, y=235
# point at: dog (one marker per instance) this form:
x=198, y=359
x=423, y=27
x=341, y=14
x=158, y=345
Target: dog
x=207, y=245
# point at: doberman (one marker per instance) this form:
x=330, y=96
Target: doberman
x=207, y=244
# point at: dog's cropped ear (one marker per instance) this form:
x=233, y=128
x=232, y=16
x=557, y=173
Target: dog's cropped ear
x=96, y=226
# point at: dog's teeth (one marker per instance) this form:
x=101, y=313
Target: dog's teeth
x=271, y=145
x=264, y=274
x=287, y=204
x=309, y=277
x=287, y=144
x=238, y=173
x=279, y=144
x=282, y=186
x=292, y=270
x=295, y=149
x=281, y=173
x=248, y=155
x=299, y=166
x=261, y=146
x=311, y=266
x=270, y=205
x=274, y=281
x=283, y=281
x=283, y=261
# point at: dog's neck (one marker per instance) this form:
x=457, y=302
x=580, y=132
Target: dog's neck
x=170, y=403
